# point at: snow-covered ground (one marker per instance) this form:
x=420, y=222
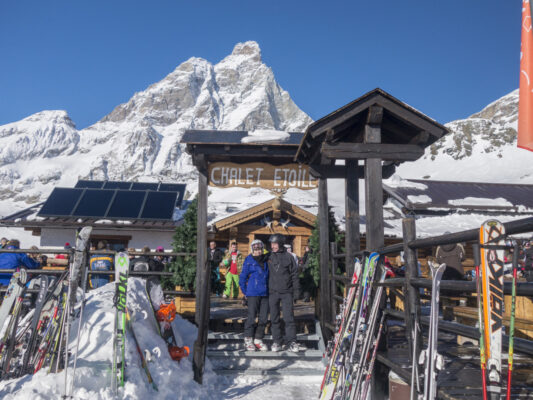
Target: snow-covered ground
x=174, y=380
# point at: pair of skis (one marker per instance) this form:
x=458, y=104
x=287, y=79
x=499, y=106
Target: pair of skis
x=489, y=277
x=349, y=363
x=432, y=360
x=331, y=375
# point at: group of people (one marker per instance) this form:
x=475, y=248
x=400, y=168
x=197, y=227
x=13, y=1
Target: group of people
x=270, y=283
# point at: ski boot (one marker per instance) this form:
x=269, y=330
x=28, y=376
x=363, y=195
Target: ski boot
x=177, y=352
x=260, y=345
x=276, y=347
x=249, y=344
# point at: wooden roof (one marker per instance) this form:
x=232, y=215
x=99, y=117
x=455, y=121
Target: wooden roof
x=400, y=124
x=262, y=209
x=210, y=146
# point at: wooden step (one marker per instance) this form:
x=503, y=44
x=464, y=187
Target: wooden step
x=240, y=336
x=276, y=372
x=305, y=355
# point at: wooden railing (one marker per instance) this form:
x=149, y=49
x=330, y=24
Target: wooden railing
x=410, y=288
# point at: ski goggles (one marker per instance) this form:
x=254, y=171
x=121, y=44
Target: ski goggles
x=257, y=247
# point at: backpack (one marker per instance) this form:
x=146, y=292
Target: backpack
x=141, y=266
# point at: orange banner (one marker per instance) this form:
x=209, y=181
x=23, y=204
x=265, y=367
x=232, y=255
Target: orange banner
x=525, y=102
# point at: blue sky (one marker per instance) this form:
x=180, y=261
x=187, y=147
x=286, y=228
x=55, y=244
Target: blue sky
x=446, y=58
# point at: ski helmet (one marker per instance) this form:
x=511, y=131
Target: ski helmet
x=257, y=244
x=277, y=238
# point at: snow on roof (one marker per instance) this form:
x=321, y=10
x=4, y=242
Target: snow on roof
x=265, y=135
x=417, y=194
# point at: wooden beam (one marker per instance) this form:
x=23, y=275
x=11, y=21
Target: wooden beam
x=327, y=171
x=323, y=230
x=392, y=152
x=375, y=115
x=352, y=237
x=202, y=280
x=420, y=139
x=412, y=298
x=373, y=192
x=288, y=151
x=339, y=171
x=411, y=117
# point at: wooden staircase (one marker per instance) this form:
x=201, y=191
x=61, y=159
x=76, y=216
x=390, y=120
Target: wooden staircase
x=228, y=356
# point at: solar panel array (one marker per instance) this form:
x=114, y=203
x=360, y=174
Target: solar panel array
x=115, y=200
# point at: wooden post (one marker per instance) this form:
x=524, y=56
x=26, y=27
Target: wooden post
x=411, y=294
x=333, y=252
x=373, y=183
x=323, y=228
x=352, y=241
x=202, y=280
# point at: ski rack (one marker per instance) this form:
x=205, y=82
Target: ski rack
x=411, y=284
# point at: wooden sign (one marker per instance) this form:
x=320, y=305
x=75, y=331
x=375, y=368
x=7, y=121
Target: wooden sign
x=261, y=175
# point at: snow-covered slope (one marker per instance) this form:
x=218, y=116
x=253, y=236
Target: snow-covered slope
x=174, y=380
x=479, y=148
x=139, y=139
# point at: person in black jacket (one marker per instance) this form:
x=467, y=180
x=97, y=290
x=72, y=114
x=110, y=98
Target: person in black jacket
x=283, y=287
x=214, y=258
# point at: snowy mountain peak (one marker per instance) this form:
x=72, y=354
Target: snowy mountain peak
x=479, y=148
x=249, y=49
x=139, y=139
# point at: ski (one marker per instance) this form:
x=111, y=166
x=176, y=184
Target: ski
x=353, y=385
x=35, y=324
x=144, y=361
x=370, y=368
x=164, y=315
x=13, y=291
x=345, y=310
x=341, y=361
x=54, y=315
x=119, y=332
x=8, y=341
x=433, y=361
x=78, y=264
x=491, y=241
x=511, y=327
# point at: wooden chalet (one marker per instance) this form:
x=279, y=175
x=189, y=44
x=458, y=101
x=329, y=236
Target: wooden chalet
x=263, y=220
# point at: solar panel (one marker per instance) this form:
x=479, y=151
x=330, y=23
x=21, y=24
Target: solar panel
x=117, y=185
x=159, y=205
x=126, y=204
x=144, y=186
x=93, y=203
x=115, y=200
x=89, y=184
x=174, y=187
x=60, y=202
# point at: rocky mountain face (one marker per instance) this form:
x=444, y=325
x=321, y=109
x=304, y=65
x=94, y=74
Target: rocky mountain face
x=479, y=148
x=139, y=140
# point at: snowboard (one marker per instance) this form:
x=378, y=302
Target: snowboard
x=157, y=299
x=119, y=335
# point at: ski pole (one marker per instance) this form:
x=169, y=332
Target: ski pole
x=511, y=333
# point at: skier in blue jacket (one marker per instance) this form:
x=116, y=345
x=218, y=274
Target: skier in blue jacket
x=14, y=261
x=253, y=281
